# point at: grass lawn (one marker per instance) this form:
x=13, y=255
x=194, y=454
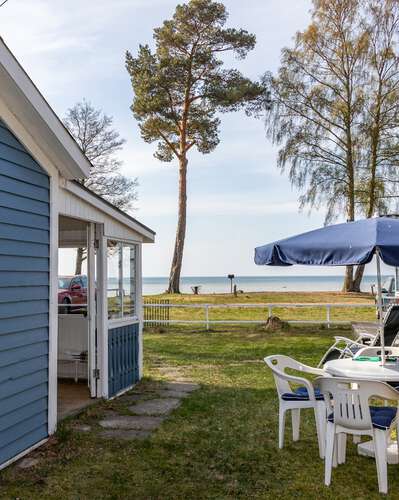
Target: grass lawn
x=308, y=313
x=221, y=443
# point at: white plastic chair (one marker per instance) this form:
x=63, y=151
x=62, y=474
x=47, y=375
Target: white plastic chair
x=297, y=399
x=349, y=412
x=347, y=348
x=343, y=347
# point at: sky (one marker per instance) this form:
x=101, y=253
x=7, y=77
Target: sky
x=237, y=198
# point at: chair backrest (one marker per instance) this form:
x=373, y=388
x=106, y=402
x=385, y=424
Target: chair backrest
x=351, y=399
x=391, y=326
x=278, y=363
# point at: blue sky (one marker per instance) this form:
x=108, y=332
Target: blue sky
x=237, y=197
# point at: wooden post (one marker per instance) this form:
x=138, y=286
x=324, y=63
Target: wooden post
x=207, y=316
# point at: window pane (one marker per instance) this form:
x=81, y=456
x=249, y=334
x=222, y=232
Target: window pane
x=114, y=280
x=128, y=269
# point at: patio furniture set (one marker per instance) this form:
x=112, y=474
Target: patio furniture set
x=349, y=396
x=352, y=374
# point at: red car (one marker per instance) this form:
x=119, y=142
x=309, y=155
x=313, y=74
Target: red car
x=72, y=290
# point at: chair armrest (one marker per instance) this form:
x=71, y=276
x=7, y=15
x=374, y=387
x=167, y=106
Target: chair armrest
x=298, y=380
x=313, y=370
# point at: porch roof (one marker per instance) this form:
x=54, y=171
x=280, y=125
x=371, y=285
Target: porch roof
x=104, y=206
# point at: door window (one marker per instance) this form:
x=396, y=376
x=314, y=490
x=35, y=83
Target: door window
x=121, y=280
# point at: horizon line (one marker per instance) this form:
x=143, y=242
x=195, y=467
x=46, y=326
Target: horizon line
x=267, y=276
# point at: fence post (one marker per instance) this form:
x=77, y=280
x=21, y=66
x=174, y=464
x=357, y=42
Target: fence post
x=207, y=316
x=270, y=311
x=328, y=315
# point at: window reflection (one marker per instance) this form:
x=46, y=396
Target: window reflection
x=121, y=280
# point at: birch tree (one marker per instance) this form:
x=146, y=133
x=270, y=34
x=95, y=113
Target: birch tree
x=335, y=111
x=100, y=142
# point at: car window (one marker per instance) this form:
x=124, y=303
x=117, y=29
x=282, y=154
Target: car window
x=63, y=283
x=76, y=281
x=84, y=281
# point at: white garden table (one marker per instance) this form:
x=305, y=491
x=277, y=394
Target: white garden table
x=367, y=370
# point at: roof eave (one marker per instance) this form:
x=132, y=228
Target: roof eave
x=32, y=110
x=94, y=199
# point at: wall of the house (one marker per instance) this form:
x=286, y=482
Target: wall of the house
x=24, y=298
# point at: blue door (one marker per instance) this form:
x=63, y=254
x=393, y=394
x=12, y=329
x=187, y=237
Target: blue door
x=123, y=366
x=24, y=297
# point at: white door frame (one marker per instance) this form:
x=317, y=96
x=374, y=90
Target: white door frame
x=102, y=312
x=91, y=311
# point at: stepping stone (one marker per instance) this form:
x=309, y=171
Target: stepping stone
x=165, y=393
x=132, y=422
x=132, y=398
x=181, y=386
x=161, y=406
x=126, y=435
x=82, y=428
x=27, y=463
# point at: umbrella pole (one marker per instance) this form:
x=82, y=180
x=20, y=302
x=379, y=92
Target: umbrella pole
x=379, y=302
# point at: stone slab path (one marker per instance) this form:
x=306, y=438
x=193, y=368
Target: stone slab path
x=147, y=410
x=123, y=422
x=160, y=406
x=133, y=416
x=126, y=435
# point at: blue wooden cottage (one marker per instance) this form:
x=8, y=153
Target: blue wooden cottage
x=42, y=209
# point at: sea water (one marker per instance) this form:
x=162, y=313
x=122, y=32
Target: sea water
x=221, y=284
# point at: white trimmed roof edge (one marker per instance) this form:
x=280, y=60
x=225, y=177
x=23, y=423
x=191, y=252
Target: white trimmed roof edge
x=31, y=108
x=100, y=203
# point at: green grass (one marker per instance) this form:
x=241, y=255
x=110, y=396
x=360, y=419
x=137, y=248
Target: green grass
x=220, y=444
x=259, y=314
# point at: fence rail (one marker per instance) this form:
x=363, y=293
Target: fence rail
x=151, y=318
x=156, y=312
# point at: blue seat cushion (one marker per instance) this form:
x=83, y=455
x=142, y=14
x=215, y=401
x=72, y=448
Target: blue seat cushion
x=301, y=394
x=381, y=416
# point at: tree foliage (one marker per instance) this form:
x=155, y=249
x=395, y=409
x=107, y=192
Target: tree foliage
x=182, y=86
x=335, y=110
x=92, y=130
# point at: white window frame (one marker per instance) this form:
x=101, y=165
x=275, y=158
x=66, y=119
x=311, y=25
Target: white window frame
x=127, y=320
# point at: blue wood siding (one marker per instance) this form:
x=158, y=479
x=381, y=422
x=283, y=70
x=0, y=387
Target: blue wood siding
x=24, y=297
x=123, y=355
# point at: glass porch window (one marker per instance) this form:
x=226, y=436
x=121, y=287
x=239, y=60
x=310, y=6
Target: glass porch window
x=121, y=280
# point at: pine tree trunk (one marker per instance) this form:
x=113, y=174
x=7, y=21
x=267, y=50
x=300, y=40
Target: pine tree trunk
x=175, y=271
x=79, y=261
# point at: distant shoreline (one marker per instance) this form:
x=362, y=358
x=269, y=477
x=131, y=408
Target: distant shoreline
x=249, y=284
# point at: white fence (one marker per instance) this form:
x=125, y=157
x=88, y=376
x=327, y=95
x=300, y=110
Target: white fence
x=266, y=307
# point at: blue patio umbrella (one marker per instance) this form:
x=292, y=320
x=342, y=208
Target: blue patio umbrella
x=352, y=243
